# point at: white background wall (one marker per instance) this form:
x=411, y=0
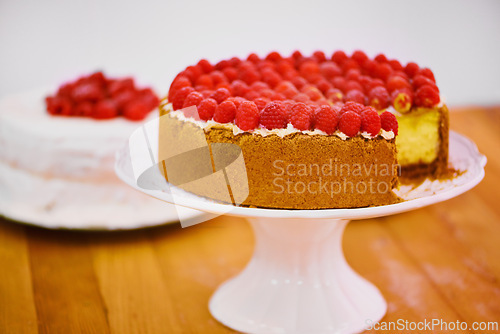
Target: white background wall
x=44, y=42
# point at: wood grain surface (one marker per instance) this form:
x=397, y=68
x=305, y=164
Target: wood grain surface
x=442, y=262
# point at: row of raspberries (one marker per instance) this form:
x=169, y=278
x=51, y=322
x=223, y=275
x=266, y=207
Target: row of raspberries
x=99, y=97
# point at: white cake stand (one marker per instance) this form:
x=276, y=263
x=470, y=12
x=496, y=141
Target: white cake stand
x=298, y=280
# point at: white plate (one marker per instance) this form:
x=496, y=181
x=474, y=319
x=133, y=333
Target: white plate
x=463, y=155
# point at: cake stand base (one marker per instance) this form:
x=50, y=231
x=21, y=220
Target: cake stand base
x=298, y=281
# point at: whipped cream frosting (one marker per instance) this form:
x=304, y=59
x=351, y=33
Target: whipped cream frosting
x=206, y=125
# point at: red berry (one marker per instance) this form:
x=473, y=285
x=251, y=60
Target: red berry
x=383, y=71
x=274, y=56
x=339, y=57
x=355, y=95
x=334, y=95
x=381, y=58
x=230, y=73
x=273, y=116
x=300, y=116
x=374, y=83
x=259, y=86
x=369, y=67
x=87, y=92
x=299, y=82
x=118, y=86
x=326, y=119
x=323, y=85
x=411, y=69
x=351, y=84
x=319, y=56
x=427, y=73
x=220, y=95
x=66, y=90
x=396, y=65
x=106, y=109
x=353, y=74
x=389, y=122
x=59, y=105
x=296, y=55
x=359, y=56
x=219, y=77
x=329, y=69
x=148, y=96
x=312, y=92
x=205, y=80
x=225, y=112
x=247, y=116
x=286, y=88
x=261, y=102
x=206, y=109
x=427, y=96
x=135, y=110
x=222, y=65
x=205, y=66
x=239, y=88
x=206, y=93
x=350, y=123
x=349, y=64
x=271, y=77
x=309, y=69
x=251, y=95
x=397, y=82
x=378, y=98
x=370, y=121
x=402, y=100
x=193, y=72
x=352, y=106
x=340, y=83
x=193, y=99
x=180, y=96
x=84, y=109
x=237, y=100
x=267, y=93
x=254, y=58
x=420, y=80
x=234, y=62
x=249, y=76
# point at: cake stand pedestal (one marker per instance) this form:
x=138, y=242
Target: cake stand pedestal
x=298, y=280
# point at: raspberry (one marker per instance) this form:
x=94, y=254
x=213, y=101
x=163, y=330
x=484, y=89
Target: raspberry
x=225, y=112
x=340, y=83
x=427, y=96
x=234, y=62
x=309, y=69
x=420, y=80
x=251, y=95
x=98, y=78
x=180, y=96
x=273, y=116
x=312, y=92
x=87, y=92
x=237, y=100
x=66, y=90
x=370, y=121
x=323, y=85
x=381, y=58
x=220, y=94
x=411, y=69
x=106, y=109
x=205, y=66
x=284, y=66
x=334, y=95
x=85, y=109
x=59, y=105
x=274, y=56
x=193, y=99
x=300, y=116
x=301, y=97
x=285, y=87
x=339, y=57
x=351, y=84
x=353, y=74
x=148, y=96
x=206, y=93
x=326, y=119
x=350, y=123
x=219, y=77
x=397, y=82
x=135, y=110
x=319, y=56
x=259, y=86
x=352, y=106
x=222, y=65
x=225, y=85
x=402, y=100
x=383, y=71
x=205, y=80
x=378, y=98
x=396, y=65
x=296, y=55
x=349, y=64
x=374, y=83
x=359, y=56
x=118, y=86
x=254, y=58
x=266, y=64
x=267, y=93
x=287, y=105
x=427, y=73
x=247, y=116
x=193, y=72
x=299, y=82
x=329, y=69
x=230, y=73
x=206, y=109
x=271, y=77
x=277, y=97
x=249, y=76
x=261, y=103
x=355, y=95
x=239, y=88
x=389, y=122
x=369, y=67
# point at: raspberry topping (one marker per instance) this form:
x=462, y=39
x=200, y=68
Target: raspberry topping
x=389, y=122
x=326, y=119
x=206, y=109
x=220, y=95
x=352, y=106
x=426, y=96
x=402, y=100
x=180, y=96
x=273, y=116
x=378, y=97
x=350, y=123
x=300, y=116
x=225, y=112
x=193, y=99
x=247, y=116
x=370, y=121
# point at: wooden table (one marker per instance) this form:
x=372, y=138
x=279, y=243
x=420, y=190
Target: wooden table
x=442, y=262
